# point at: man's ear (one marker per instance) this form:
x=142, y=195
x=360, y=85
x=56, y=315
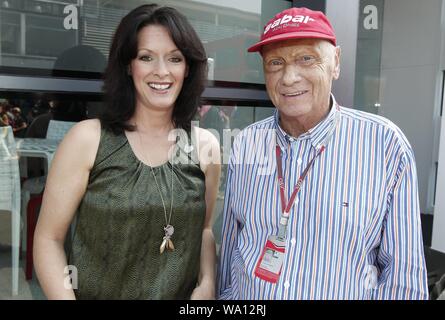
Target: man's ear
x=336, y=72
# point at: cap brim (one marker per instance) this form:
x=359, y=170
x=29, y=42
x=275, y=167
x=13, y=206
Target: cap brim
x=289, y=36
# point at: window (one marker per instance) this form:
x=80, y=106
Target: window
x=10, y=32
x=44, y=37
x=35, y=32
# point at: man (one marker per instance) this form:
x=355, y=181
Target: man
x=19, y=123
x=321, y=201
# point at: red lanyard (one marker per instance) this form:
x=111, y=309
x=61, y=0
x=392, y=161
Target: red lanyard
x=285, y=209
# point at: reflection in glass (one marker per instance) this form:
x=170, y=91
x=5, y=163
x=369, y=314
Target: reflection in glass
x=10, y=32
x=34, y=33
x=225, y=122
x=44, y=37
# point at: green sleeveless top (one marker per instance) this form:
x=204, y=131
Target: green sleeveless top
x=120, y=225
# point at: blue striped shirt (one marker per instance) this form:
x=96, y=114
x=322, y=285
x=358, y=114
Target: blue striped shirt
x=354, y=231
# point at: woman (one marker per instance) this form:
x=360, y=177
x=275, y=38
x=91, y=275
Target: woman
x=144, y=207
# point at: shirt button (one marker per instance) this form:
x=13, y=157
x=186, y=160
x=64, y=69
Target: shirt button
x=299, y=161
x=286, y=285
x=293, y=241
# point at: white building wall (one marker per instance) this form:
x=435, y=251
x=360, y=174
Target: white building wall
x=438, y=241
x=410, y=65
x=343, y=15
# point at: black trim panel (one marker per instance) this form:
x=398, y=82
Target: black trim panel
x=83, y=75
x=37, y=72
x=222, y=92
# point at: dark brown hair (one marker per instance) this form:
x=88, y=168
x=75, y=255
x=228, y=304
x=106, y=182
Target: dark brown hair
x=119, y=89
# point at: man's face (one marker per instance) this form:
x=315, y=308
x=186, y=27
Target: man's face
x=299, y=75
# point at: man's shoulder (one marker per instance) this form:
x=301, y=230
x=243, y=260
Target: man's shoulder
x=363, y=116
x=251, y=135
x=392, y=133
x=265, y=124
x=371, y=121
x=255, y=130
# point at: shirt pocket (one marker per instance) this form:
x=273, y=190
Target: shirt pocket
x=349, y=222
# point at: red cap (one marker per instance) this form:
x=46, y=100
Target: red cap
x=295, y=23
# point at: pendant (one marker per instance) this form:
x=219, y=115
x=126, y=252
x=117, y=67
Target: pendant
x=166, y=241
x=170, y=245
x=169, y=230
x=162, y=248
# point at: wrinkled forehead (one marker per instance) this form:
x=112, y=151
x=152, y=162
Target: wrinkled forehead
x=320, y=46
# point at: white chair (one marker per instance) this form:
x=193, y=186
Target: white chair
x=56, y=131
x=10, y=195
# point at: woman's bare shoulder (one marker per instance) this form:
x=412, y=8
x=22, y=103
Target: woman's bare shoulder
x=82, y=140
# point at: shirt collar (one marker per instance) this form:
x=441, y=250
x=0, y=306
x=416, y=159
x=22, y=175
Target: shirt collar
x=317, y=135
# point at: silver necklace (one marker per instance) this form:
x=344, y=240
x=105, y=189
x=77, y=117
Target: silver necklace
x=168, y=229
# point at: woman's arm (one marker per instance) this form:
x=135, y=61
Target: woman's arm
x=66, y=184
x=210, y=161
